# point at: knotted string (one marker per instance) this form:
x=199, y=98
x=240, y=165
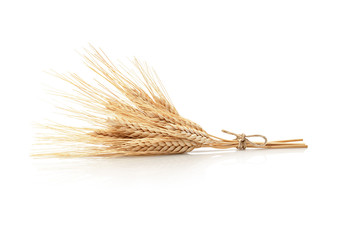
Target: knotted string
x=243, y=140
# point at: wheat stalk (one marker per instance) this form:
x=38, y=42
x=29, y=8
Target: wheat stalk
x=130, y=113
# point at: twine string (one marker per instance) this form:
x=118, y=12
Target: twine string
x=243, y=140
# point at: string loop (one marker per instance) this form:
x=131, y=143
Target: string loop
x=243, y=140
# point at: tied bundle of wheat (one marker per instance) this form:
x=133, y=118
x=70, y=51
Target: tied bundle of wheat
x=130, y=113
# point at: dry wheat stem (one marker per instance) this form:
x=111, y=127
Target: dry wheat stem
x=129, y=113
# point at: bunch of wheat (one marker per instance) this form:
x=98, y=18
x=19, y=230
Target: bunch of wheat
x=130, y=113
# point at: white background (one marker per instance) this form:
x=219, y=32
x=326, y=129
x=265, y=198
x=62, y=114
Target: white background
x=278, y=68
